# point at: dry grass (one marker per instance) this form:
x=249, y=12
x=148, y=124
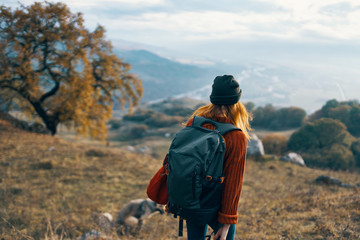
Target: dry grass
x=52, y=189
x=261, y=133
x=48, y=182
x=281, y=201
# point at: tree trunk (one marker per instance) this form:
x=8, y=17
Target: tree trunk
x=51, y=122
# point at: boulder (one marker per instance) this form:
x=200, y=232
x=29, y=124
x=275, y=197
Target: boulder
x=18, y=123
x=332, y=181
x=130, y=148
x=255, y=146
x=293, y=158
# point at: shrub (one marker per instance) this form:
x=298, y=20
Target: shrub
x=154, y=119
x=140, y=115
x=303, y=139
x=354, y=126
x=161, y=120
x=115, y=124
x=320, y=134
x=291, y=117
x=275, y=144
x=324, y=143
x=138, y=131
x=348, y=112
x=355, y=148
x=178, y=111
x=250, y=106
x=270, y=117
x=336, y=157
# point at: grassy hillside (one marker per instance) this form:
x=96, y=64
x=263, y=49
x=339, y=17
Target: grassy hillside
x=51, y=188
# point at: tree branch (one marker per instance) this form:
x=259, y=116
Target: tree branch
x=103, y=88
x=50, y=93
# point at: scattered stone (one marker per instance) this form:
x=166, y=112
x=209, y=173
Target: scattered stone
x=293, y=158
x=144, y=149
x=51, y=149
x=92, y=235
x=130, y=148
x=255, y=146
x=105, y=222
x=332, y=181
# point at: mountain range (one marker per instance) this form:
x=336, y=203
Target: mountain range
x=261, y=83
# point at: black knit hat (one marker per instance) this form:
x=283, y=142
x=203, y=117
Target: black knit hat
x=225, y=90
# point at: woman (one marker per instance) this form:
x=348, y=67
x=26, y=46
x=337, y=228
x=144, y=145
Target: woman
x=225, y=107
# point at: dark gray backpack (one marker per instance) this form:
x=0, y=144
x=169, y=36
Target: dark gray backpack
x=195, y=167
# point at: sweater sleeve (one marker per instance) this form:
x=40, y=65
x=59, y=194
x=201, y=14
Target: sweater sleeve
x=234, y=168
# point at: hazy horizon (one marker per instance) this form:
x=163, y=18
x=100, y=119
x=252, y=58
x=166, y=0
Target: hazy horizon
x=319, y=40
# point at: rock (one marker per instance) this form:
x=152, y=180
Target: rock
x=346, y=185
x=38, y=128
x=18, y=123
x=144, y=149
x=51, y=149
x=327, y=180
x=130, y=148
x=293, y=158
x=108, y=216
x=332, y=181
x=106, y=222
x=92, y=235
x=255, y=146
x=104, y=225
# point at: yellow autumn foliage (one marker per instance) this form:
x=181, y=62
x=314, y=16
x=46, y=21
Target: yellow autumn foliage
x=58, y=70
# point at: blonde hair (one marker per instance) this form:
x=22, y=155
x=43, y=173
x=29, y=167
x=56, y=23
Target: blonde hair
x=237, y=114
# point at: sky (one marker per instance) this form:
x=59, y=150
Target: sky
x=214, y=27
x=314, y=35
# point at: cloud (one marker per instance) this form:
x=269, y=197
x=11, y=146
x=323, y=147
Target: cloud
x=299, y=7
x=93, y=4
x=305, y=23
x=197, y=25
x=108, y=3
x=160, y=22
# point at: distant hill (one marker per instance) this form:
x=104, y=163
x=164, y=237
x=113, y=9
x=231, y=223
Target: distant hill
x=262, y=83
x=164, y=78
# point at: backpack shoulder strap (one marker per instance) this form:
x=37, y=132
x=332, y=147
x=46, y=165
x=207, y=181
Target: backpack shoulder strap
x=199, y=121
x=221, y=127
x=226, y=127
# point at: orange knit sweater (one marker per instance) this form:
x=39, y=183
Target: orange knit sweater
x=234, y=168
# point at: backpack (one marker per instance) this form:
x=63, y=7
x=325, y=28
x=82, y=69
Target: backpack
x=195, y=170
